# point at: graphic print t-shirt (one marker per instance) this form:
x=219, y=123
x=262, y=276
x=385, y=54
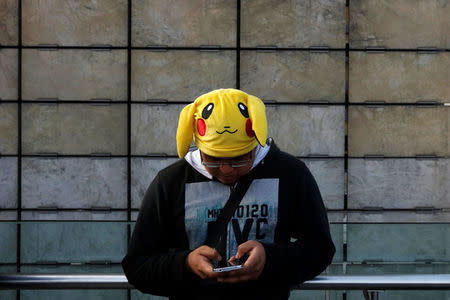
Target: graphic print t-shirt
x=254, y=219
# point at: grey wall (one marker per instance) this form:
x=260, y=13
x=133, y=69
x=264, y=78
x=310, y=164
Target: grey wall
x=90, y=93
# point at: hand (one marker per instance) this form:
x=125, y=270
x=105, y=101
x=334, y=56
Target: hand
x=253, y=267
x=199, y=262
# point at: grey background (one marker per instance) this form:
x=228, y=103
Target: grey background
x=89, y=109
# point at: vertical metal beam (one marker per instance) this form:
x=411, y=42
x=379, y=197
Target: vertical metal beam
x=19, y=141
x=238, y=44
x=346, y=112
x=129, y=130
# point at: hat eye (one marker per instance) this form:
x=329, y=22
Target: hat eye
x=243, y=109
x=207, y=111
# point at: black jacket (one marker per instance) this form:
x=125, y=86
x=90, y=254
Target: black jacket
x=283, y=209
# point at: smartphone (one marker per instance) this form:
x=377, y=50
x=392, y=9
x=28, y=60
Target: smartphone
x=231, y=266
x=228, y=268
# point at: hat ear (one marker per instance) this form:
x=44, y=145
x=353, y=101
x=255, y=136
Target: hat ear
x=257, y=114
x=185, y=129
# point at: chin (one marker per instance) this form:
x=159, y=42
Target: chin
x=229, y=180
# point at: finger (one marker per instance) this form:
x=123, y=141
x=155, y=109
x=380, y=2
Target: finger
x=201, y=274
x=209, y=253
x=205, y=265
x=232, y=259
x=209, y=273
x=251, y=261
x=206, y=269
x=244, y=248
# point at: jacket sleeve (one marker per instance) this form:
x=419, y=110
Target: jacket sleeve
x=311, y=248
x=151, y=265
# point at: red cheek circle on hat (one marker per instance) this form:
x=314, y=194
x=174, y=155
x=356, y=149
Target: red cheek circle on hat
x=201, y=127
x=248, y=128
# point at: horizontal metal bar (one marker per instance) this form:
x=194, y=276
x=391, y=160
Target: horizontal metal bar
x=375, y=49
x=379, y=282
x=207, y=48
x=63, y=281
x=119, y=281
x=319, y=49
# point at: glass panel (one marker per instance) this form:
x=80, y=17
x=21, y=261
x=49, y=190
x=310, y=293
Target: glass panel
x=74, y=128
x=79, y=23
x=8, y=250
x=53, y=215
x=8, y=22
x=73, y=241
x=337, y=216
x=136, y=295
x=74, y=74
x=74, y=183
x=8, y=128
x=73, y=294
x=55, y=269
x=306, y=130
x=143, y=171
x=288, y=76
x=380, y=269
x=333, y=269
x=8, y=73
x=315, y=295
x=330, y=177
x=8, y=215
x=293, y=23
x=398, y=76
x=399, y=183
x=398, y=131
x=337, y=234
x=184, y=23
x=8, y=269
x=402, y=295
x=399, y=24
x=180, y=75
x=398, y=242
x=310, y=295
x=8, y=182
x=154, y=128
x=8, y=295
x=419, y=216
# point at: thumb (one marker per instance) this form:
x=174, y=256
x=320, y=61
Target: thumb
x=243, y=249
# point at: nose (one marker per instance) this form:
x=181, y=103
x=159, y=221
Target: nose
x=226, y=167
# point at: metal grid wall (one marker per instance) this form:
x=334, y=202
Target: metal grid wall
x=345, y=216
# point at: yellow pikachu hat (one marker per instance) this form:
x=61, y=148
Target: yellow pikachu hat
x=223, y=123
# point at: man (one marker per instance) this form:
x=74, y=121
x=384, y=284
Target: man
x=280, y=224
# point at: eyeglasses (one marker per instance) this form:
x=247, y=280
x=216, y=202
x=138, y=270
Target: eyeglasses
x=233, y=164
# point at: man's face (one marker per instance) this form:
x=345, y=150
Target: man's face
x=228, y=170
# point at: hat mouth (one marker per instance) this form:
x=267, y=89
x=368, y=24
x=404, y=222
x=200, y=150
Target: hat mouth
x=226, y=130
